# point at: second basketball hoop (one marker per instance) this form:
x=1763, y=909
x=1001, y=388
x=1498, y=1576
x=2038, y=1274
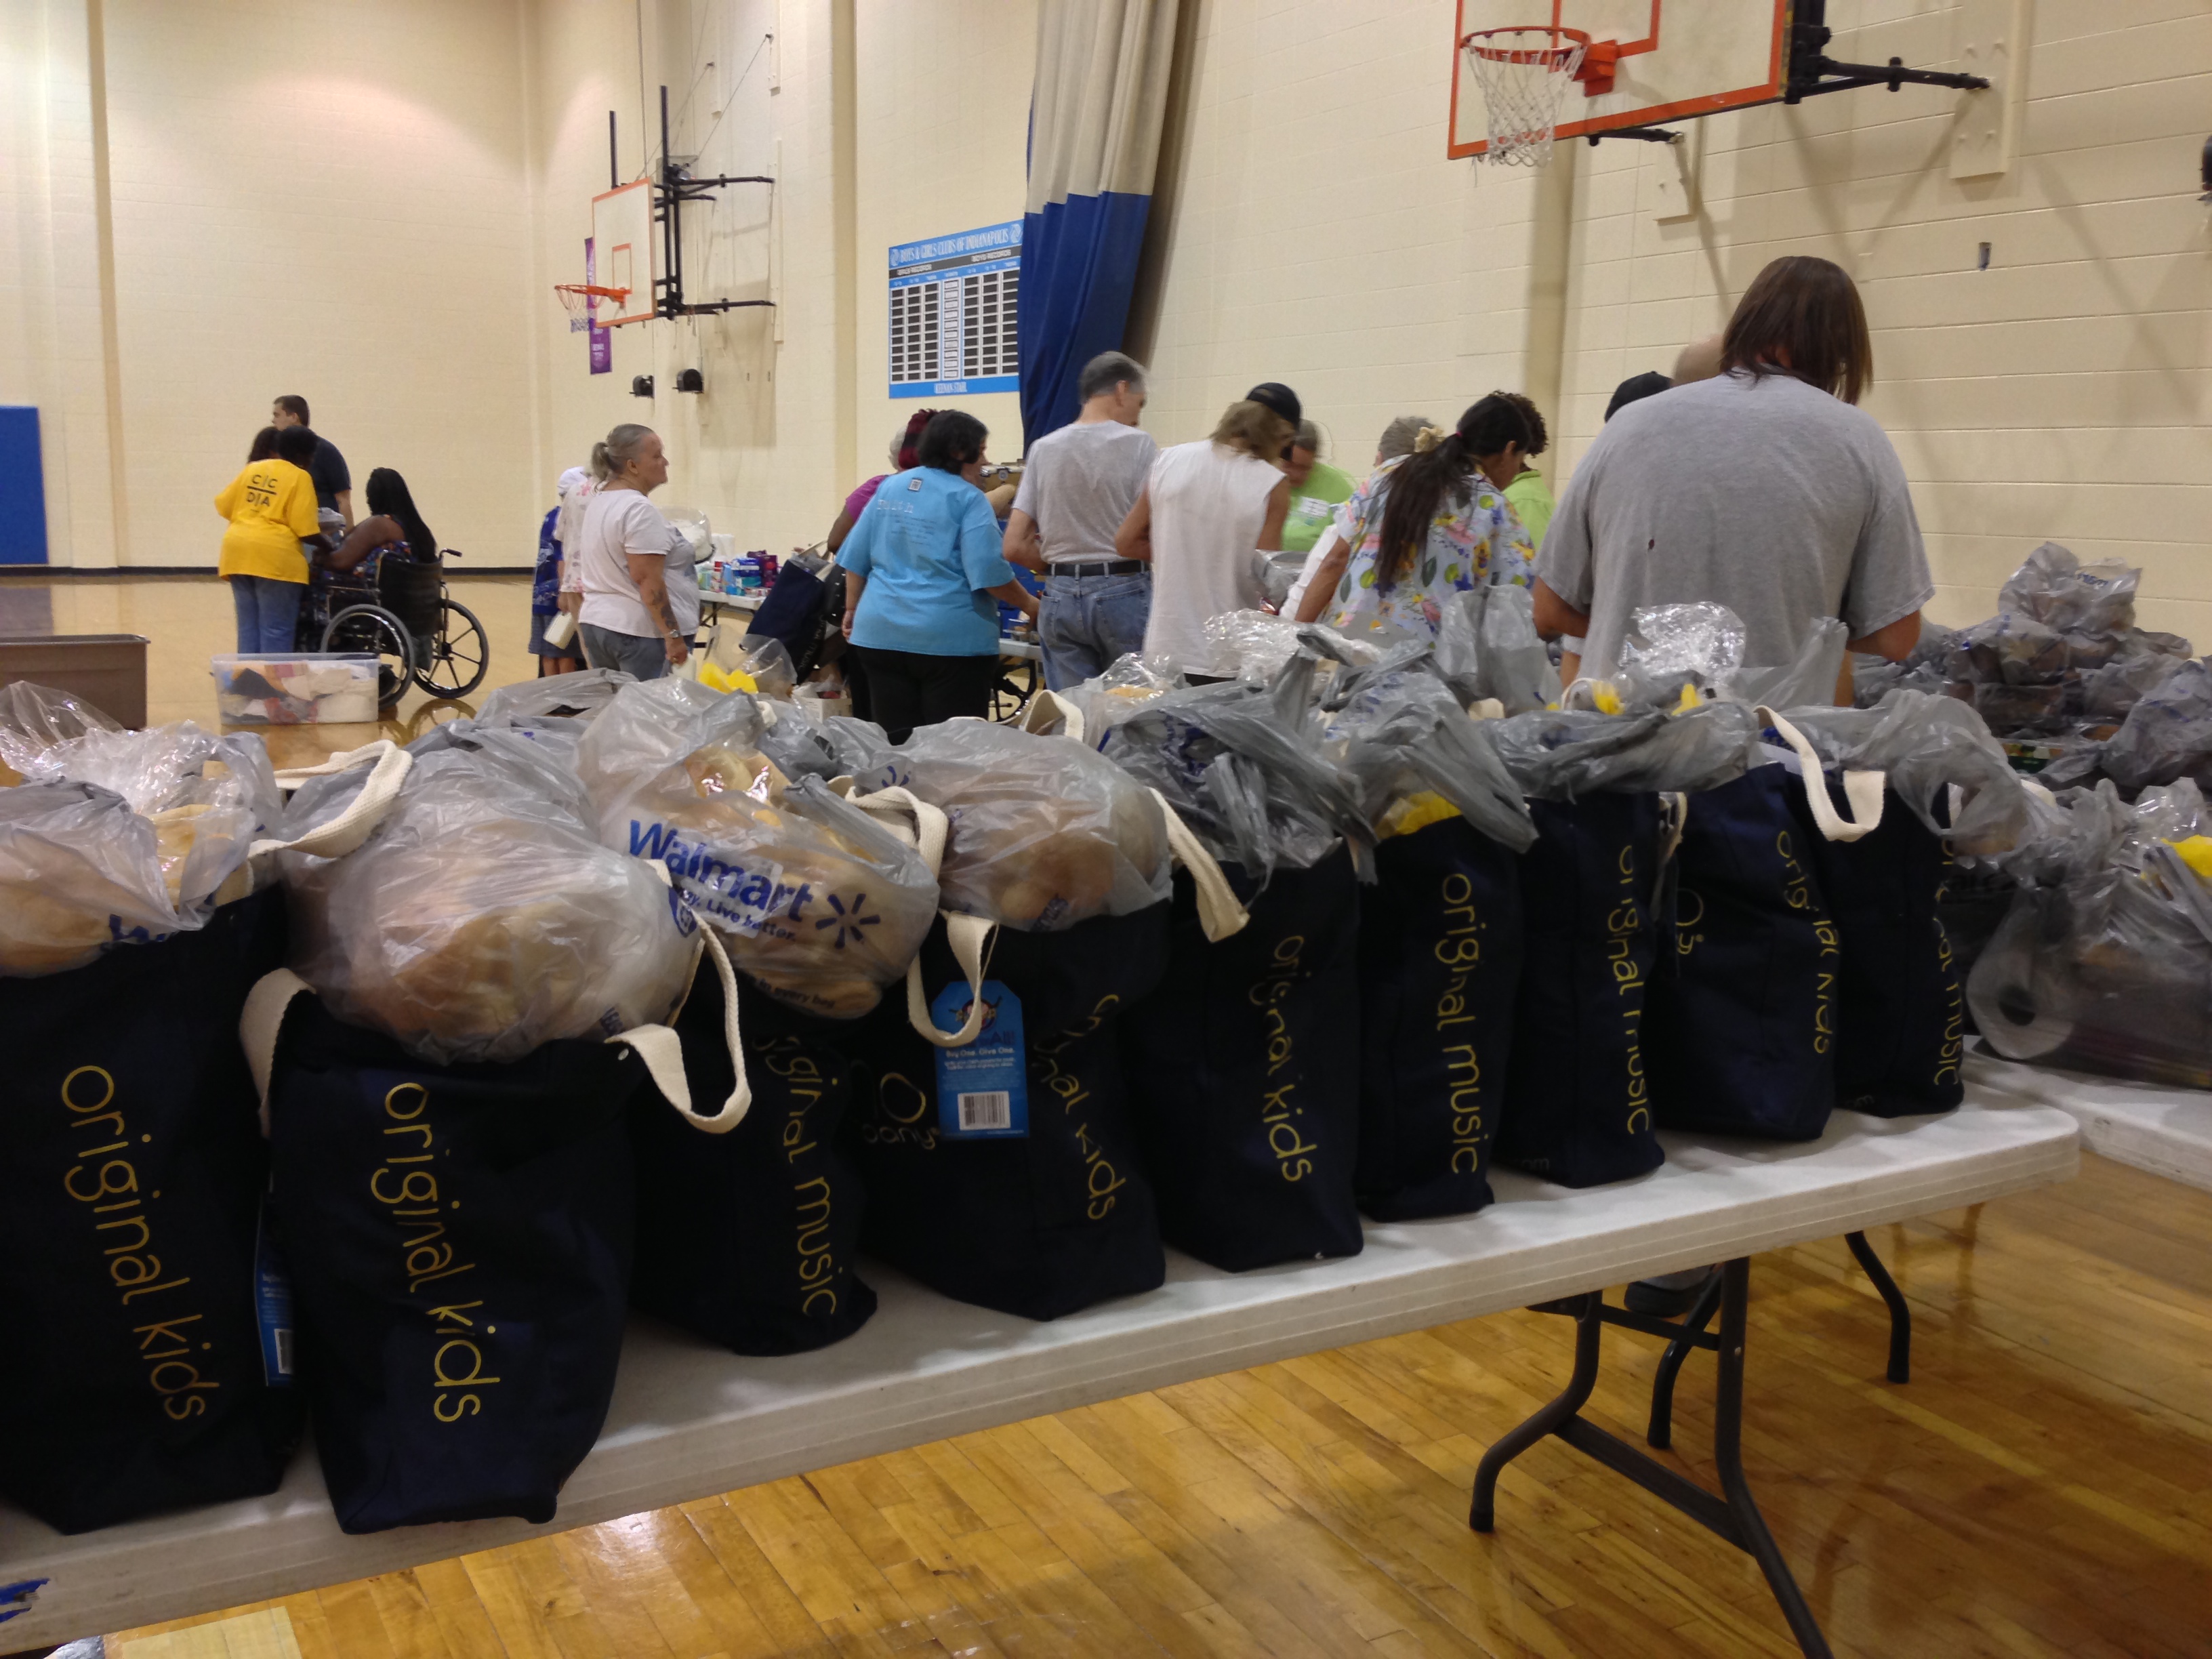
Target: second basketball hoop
x=1524, y=72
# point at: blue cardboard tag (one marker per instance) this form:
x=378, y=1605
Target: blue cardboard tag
x=272, y=1303
x=982, y=1090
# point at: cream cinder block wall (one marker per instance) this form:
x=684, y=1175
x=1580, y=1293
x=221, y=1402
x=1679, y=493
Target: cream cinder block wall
x=2061, y=394
x=942, y=129
x=1318, y=236
x=331, y=200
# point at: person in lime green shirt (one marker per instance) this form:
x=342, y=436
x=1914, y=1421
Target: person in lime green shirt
x=272, y=506
x=1528, y=496
x=1317, y=491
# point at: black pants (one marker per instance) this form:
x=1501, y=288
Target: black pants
x=907, y=688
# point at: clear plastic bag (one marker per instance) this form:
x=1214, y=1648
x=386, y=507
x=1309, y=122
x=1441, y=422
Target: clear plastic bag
x=1128, y=682
x=1277, y=574
x=1044, y=832
x=483, y=919
x=581, y=695
x=1926, y=745
x=2006, y=649
x=1669, y=645
x=208, y=797
x=1487, y=647
x=1241, y=775
x=1562, y=754
x=2168, y=734
x=1257, y=643
x=79, y=872
x=821, y=905
x=1811, y=678
x=1414, y=755
x=2056, y=589
x=35, y=718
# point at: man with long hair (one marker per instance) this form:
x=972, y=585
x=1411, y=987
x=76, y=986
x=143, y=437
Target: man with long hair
x=1763, y=489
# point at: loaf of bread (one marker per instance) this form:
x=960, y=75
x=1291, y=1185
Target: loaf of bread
x=81, y=871
x=1045, y=832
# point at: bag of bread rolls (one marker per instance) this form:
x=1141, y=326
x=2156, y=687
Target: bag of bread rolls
x=821, y=906
x=124, y=837
x=483, y=919
x=1043, y=832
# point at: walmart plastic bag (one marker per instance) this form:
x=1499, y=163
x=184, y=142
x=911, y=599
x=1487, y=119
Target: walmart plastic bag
x=1810, y=678
x=81, y=872
x=1487, y=647
x=581, y=695
x=2057, y=590
x=1415, y=757
x=1044, y=833
x=821, y=905
x=483, y=919
x=1562, y=754
x=1244, y=776
x=1926, y=746
x=2104, y=963
x=2168, y=734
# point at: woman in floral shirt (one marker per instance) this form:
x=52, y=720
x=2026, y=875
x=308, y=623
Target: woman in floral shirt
x=1443, y=516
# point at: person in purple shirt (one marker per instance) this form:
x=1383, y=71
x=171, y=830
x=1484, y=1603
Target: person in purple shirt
x=905, y=456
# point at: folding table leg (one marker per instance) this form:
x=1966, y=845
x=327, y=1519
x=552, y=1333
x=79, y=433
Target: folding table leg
x=1660, y=1433
x=1734, y=1516
x=1482, y=1515
x=1900, y=1316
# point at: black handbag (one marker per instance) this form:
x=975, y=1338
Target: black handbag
x=750, y=1236
x=1040, y=1224
x=460, y=1240
x=140, y=1375
x=1578, y=1098
x=1742, y=1023
x=1440, y=949
x=1244, y=1072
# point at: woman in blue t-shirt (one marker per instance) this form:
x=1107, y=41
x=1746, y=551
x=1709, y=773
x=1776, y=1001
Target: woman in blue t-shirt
x=923, y=577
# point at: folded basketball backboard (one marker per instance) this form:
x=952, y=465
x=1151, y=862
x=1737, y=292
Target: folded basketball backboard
x=1642, y=60
x=625, y=255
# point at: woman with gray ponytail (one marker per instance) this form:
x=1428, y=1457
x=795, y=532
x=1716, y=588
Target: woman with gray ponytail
x=640, y=598
x=1431, y=524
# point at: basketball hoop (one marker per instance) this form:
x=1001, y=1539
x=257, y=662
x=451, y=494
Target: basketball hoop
x=578, y=296
x=1524, y=72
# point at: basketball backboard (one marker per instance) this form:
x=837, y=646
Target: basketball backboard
x=1668, y=59
x=625, y=253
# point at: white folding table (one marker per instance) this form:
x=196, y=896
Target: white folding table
x=688, y=1420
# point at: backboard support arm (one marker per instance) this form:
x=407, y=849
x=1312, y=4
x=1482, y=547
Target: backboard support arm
x=674, y=187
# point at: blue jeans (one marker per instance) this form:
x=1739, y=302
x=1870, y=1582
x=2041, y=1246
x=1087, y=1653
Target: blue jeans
x=268, y=613
x=634, y=654
x=1086, y=622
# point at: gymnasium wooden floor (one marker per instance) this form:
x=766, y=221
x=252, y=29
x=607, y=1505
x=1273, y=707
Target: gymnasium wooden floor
x=2042, y=1487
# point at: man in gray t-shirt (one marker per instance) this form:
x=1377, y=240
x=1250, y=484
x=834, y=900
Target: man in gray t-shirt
x=1077, y=485
x=1765, y=494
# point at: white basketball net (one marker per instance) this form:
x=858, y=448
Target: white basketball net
x=1524, y=73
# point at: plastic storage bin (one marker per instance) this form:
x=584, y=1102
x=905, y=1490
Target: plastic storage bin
x=296, y=688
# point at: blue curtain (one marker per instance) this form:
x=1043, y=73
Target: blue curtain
x=1094, y=118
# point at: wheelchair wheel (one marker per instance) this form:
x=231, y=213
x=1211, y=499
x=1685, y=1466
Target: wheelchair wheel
x=1018, y=680
x=371, y=630
x=453, y=661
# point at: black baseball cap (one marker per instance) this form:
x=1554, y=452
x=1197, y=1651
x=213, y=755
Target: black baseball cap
x=1280, y=398
x=1635, y=389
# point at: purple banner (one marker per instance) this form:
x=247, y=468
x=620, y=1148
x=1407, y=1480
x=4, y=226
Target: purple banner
x=603, y=348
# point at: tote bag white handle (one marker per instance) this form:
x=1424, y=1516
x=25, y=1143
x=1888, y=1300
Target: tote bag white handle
x=1862, y=791
x=1048, y=710
x=389, y=765
x=1220, y=913
x=662, y=1051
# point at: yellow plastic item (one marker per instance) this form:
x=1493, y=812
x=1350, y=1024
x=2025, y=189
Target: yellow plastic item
x=1605, y=697
x=1689, y=700
x=2197, y=853
x=1416, y=812
x=716, y=680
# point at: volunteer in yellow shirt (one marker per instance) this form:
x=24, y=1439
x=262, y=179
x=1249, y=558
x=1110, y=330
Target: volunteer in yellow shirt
x=270, y=506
